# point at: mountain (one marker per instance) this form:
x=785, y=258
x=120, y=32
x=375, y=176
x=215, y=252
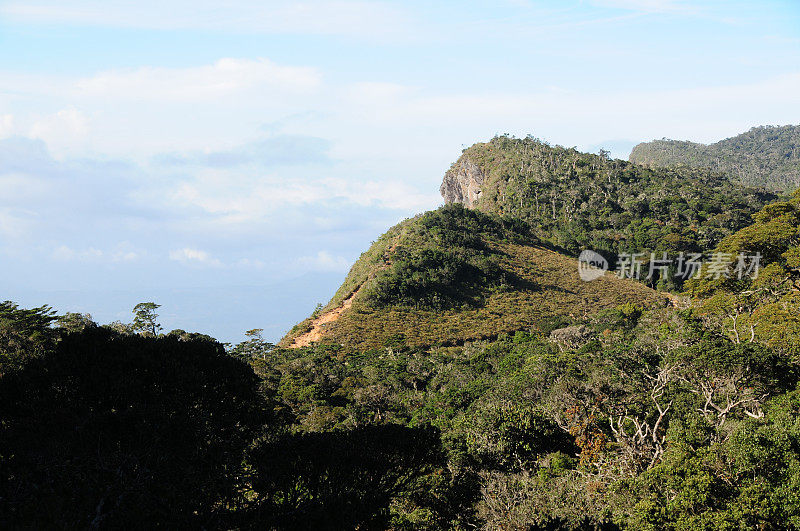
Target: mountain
x=500, y=256
x=767, y=156
x=579, y=201
x=561, y=404
x=456, y=275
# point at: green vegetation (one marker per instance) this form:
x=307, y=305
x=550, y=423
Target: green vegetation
x=444, y=260
x=24, y=333
x=765, y=156
x=578, y=201
x=302, y=480
x=765, y=308
x=114, y=429
x=145, y=318
x=634, y=418
x=105, y=430
x=646, y=419
x=456, y=275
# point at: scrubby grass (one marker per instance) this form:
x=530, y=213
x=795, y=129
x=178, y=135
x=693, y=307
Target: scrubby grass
x=526, y=287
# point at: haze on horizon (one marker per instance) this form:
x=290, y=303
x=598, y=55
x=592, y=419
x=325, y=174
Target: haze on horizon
x=232, y=163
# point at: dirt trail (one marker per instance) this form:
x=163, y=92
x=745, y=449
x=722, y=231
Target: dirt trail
x=315, y=334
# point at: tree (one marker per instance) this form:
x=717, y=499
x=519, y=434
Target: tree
x=124, y=431
x=254, y=347
x=24, y=333
x=340, y=479
x=75, y=322
x=145, y=318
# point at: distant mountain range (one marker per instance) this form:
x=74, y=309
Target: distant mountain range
x=765, y=156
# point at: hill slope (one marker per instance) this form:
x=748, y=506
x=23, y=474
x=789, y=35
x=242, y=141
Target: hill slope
x=763, y=156
x=579, y=200
x=502, y=264
x=456, y=275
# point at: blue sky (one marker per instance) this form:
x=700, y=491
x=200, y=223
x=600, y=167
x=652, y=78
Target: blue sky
x=231, y=160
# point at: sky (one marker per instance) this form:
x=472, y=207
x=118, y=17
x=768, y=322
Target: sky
x=231, y=160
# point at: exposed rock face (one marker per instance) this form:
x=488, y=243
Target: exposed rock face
x=462, y=183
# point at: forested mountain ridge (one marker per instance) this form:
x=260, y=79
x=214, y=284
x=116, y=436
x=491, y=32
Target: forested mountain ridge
x=767, y=156
x=578, y=201
x=625, y=418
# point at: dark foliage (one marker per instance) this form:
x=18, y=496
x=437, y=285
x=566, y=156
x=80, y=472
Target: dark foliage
x=112, y=431
x=24, y=333
x=340, y=479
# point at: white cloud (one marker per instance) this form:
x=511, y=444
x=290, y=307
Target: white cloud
x=14, y=225
x=67, y=126
x=138, y=112
x=582, y=118
x=19, y=188
x=394, y=195
x=122, y=252
x=278, y=150
x=125, y=252
x=214, y=109
x=6, y=125
x=236, y=198
x=250, y=263
x=375, y=20
x=125, y=256
x=209, y=82
x=190, y=255
x=325, y=261
x=65, y=253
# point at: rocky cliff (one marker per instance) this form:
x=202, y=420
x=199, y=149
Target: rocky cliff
x=462, y=183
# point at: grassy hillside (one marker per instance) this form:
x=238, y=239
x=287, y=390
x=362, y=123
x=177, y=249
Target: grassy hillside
x=578, y=200
x=763, y=156
x=456, y=275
